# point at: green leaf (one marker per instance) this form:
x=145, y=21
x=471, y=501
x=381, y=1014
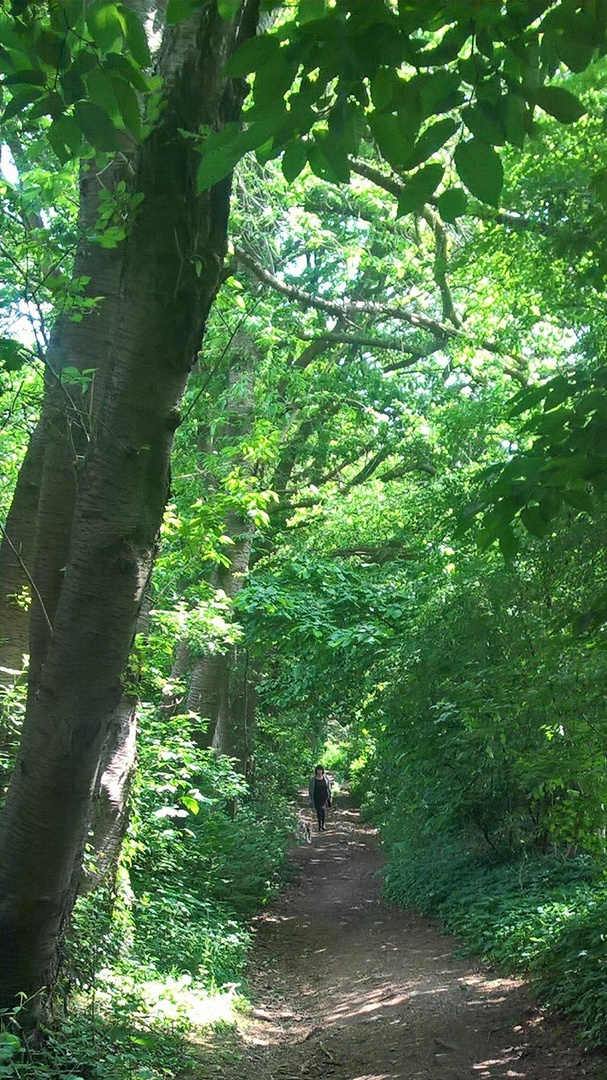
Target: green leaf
x=30, y=77
x=480, y=169
x=275, y=78
x=253, y=55
x=128, y=103
x=65, y=138
x=452, y=203
x=228, y=9
x=514, y=115
x=21, y=99
x=191, y=804
x=65, y=15
x=73, y=86
x=326, y=162
x=576, y=53
x=560, y=103
x=136, y=38
x=105, y=24
x=419, y=189
x=101, y=92
x=49, y=105
x=388, y=134
x=533, y=520
x=85, y=60
x=437, y=90
x=127, y=69
x=12, y=354
x=508, y=543
x=215, y=166
x=97, y=127
x=580, y=499
x=336, y=168
x=484, y=121
x=431, y=140
x=294, y=160
x=53, y=50
x=178, y=10
x=382, y=88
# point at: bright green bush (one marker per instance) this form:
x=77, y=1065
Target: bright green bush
x=176, y=931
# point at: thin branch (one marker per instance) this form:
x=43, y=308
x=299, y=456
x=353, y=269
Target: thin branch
x=389, y=183
x=396, y=187
x=510, y=218
x=411, y=467
x=389, y=551
x=391, y=344
x=28, y=576
x=440, y=264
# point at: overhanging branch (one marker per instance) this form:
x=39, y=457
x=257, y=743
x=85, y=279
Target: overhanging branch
x=348, y=309
x=369, y=342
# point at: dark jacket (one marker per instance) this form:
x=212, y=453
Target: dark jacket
x=311, y=787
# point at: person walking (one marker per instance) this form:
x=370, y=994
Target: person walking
x=320, y=795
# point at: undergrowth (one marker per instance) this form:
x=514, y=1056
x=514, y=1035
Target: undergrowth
x=544, y=916
x=160, y=953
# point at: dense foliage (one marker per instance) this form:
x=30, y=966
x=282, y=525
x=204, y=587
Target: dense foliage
x=383, y=542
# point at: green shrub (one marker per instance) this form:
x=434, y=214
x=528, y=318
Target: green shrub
x=545, y=916
x=175, y=931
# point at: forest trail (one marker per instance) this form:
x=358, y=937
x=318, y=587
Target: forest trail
x=349, y=987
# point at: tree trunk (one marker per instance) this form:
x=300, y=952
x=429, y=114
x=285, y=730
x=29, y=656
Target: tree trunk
x=208, y=693
x=16, y=552
x=110, y=813
x=121, y=486
x=110, y=804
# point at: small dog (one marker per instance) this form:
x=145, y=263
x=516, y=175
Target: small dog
x=305, y=833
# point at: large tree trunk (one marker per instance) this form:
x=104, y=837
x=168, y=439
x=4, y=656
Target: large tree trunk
x=80, y=643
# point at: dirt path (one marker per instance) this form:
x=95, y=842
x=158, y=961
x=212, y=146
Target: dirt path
x=348, y=987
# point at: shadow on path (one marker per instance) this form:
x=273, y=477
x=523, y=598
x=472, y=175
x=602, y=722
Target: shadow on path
x=349, y=987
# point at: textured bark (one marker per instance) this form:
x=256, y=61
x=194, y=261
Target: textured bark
x=242, y=689
x=16, y=554
x=119, y=490
x=110, y=804
x=110, y=813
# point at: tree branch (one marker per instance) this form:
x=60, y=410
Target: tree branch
x=348, y=309
x=484, y=213
x=29, y=577
x=391, y=344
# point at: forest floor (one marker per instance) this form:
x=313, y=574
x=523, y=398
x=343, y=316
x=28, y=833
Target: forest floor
x=348, y=987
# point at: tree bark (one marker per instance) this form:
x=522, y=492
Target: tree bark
x=110, y=804
x=121, y=483
x=16, y=553
x=110, y=812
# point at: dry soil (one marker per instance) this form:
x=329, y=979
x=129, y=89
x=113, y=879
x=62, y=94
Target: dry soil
x=349, y=987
